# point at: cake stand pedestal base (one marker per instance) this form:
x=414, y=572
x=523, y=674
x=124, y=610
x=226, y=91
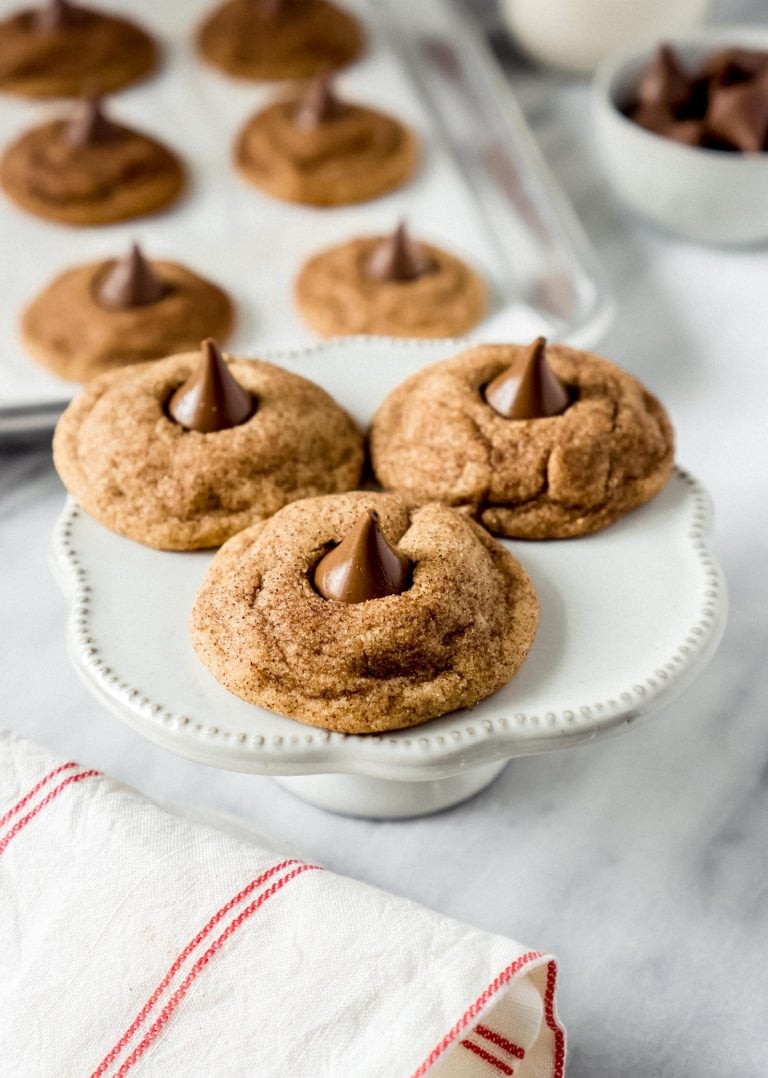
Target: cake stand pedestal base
x=387, y=799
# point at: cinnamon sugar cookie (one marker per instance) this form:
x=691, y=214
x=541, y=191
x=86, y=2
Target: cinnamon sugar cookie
x=184, y=452
x=90, y=171
x=457, y=626
x=390, y=286
x=539, y=442
x=93, y=318
x=279, y=39
x=64, y=50
x=320, y=151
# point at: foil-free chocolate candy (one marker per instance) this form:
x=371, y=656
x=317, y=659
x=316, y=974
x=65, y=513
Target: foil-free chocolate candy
x=211, y=399
x=129, y=282
x=530, y=391
x=364, y=566
x=398, y=258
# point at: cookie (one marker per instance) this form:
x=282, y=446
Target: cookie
x=320, y=151
x=279, y=39
x=390, y=286
x=186, y=451
x=94, y=318
x=457, y=628
x=65, y=50
x=568, y=445
x=90, y=171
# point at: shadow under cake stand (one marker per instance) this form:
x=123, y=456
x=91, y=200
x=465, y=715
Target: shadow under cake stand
x=628, y=618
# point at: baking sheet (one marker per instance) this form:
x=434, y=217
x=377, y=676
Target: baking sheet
x=252, y=245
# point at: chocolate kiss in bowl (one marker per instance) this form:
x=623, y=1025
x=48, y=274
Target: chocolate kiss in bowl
x=211, y=399
x=363, y=566
x=531, y=392
x=130, y=282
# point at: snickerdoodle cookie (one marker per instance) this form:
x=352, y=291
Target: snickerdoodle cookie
x=358, y=613
x=103, y=315
x=89, y=170
x=321, y=151
x=63, y=50
x=279, y=39
x=391, y=286
x=184, y=452
x=538, y=441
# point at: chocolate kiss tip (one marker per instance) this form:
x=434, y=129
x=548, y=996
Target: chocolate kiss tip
x=664, y=81
x=55, y=15
x=363, y=566
x=533, y=392
x=318, y=104
x=211, y=399
x=89, y=125
x=130, y=282
x=397, y=258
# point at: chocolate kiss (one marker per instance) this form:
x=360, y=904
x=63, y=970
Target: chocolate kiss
x=211, y=399
x=89, y=126
x=56, y=15
x=130, y=282
x=665, y=81
x=318, y=105
x=736, y=65
x=363, y=566
x=397, y=258
x=739, y=114
x=534, y=392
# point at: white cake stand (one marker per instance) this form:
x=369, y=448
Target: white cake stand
x=628, y=618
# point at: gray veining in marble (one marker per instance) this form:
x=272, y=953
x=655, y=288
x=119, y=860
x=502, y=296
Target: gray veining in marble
x=641, y=861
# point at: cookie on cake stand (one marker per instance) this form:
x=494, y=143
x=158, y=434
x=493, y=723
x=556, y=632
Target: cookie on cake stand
x=63, y=49
x=391, y=286
x=107, y=314
x=184, y=452
x=90, y=170
x=537, y=441
x=321, y=151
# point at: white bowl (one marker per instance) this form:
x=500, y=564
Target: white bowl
x=628, y=617
x=707, y=195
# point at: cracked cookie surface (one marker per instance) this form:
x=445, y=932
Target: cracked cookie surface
x=435, y=438
x=457, y=634
x=146, y=477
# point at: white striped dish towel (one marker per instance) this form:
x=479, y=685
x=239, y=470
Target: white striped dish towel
x=134, y=941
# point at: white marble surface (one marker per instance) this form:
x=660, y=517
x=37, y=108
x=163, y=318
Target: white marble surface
x=641, y=861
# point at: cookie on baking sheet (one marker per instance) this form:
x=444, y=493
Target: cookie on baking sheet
x=88, y=170
x=62, y=49
x=538, y=441
x=93, y=318
x=391, y=286
x=360, y=614
x=183, y=452
x=320, y=151
x=279, y=39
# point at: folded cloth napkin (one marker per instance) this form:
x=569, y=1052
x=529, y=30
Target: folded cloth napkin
x=134, y=941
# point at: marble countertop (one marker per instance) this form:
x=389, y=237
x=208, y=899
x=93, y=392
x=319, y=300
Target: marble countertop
x=641, y=861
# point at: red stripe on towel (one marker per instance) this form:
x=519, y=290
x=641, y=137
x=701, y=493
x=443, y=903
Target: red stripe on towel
x=487, y=1057
x=38, y=786
x=202, y=962
x=24, y=820
x=549, y=1014
x=114, y=1052
x=503, y=978
x=500, y=1042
